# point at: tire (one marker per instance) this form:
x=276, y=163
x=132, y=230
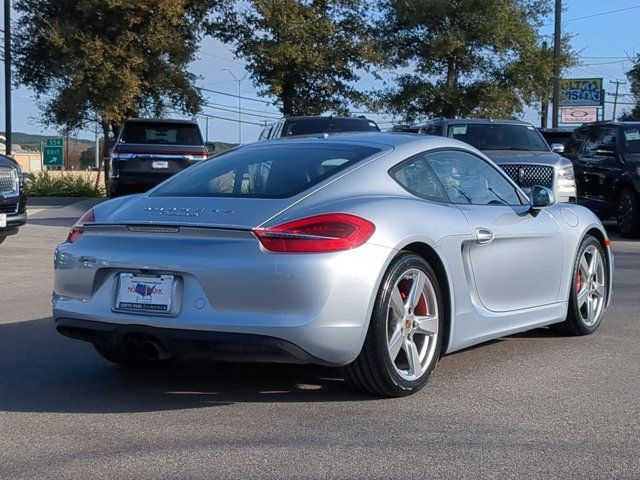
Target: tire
x=2, y=239
x=580, y=319
x=120, y=355
x=402, y=325
x=629, y=214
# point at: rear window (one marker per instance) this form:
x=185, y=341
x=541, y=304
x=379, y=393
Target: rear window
x=161, y=133
x=309, y=126
x=267, y=172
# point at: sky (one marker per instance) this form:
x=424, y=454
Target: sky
x=604, y=42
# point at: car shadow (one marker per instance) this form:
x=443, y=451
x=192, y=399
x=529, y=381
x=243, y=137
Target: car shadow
x=42, y=371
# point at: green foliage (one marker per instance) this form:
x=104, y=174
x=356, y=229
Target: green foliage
x=481, y=58
x=633, y=76
x=120, y=58
x=46, y=184
x=304, y=53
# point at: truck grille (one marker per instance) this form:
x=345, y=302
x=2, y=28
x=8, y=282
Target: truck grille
x=8, y=180
x=527, y=176
x=11, y=208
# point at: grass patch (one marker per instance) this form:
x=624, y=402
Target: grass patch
x=65, y=184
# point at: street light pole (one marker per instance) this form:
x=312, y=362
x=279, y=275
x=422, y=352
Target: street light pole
x=239, y=80
x=557, y=50
x=7, y=76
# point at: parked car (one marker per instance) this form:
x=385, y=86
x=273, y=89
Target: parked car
x=606, y=159
x=13, y=199
x=295, y=126
x=516, y=147
x=148, y=151
x=377, y=252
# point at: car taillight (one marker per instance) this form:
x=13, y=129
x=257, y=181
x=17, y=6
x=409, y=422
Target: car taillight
x=78, y=229
x=329, y=232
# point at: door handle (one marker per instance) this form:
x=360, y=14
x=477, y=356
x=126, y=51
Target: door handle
x=484, y=236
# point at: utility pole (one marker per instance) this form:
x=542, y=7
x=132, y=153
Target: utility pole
x=97, y=146
x=557, y=50
x=615, y=98
x=239, y=80
x=7, y=75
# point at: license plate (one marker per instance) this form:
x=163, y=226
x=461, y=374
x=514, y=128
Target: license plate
x=145, y=293
x=159, y=164
x=3, y=220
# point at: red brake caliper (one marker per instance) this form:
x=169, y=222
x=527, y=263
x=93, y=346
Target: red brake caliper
x=579, y=282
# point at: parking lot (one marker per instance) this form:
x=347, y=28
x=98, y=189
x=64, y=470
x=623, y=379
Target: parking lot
x=534, y=405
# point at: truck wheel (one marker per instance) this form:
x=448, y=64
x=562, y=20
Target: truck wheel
x=629, y=214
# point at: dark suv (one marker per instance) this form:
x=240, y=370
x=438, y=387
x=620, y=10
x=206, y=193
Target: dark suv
x=148, y=151
x=606, y=160
x=13, y=200
x=294, y=126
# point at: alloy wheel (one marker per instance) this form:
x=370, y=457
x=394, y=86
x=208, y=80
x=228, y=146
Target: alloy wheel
x=590, y=286
x=412, y=324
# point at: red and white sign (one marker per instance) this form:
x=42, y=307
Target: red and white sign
x=579, y=115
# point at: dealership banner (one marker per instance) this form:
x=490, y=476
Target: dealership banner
x=581, y=92
x=578, y=114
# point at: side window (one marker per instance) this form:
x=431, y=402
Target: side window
x=605, y=138
x=468, y=179
x=575, y=142
x=416, y=176
x=433, y=130
x=265, y=132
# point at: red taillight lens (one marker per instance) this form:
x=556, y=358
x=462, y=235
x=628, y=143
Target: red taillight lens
x=78, y=229
x=330, y=232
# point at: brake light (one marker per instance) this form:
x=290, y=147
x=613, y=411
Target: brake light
x=78, y=229
x=329, y=232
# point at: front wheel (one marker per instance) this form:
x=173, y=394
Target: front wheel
x=404, y=339
x=589, y=289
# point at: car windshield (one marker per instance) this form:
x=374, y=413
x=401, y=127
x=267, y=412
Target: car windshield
x=496, y=136
x=274, y=171
x=154, y=133
x=309, y=126
x=631, y=139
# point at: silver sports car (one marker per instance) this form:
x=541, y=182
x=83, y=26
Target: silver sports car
x=374, y=252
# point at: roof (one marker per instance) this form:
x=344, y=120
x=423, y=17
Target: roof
x=160, y=120
x=320, y=117
x=479, y=121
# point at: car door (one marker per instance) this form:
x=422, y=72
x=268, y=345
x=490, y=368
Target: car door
x=515, y=259
x=600, y=169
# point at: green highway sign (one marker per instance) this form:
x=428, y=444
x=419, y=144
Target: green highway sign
x=52, y=154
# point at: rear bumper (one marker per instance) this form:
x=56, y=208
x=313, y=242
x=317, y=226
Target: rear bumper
x=320, y=303
x=188, y=344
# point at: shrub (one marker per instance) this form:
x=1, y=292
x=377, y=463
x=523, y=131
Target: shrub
x=66, y=184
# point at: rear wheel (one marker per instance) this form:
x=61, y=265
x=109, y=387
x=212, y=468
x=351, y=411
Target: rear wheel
x=404, y=339
x=589, y=289
x=629, y=213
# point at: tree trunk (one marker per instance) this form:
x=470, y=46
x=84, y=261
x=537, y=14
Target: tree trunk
x=448, y=107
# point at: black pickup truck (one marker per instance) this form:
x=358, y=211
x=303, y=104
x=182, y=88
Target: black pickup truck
x=13, y=199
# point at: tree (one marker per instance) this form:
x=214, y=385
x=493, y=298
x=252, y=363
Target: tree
x=482, y=58
x=116, y=58
x=633, y=76
x=304, y=53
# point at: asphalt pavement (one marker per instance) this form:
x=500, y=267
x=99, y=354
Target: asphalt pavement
x=534, y=405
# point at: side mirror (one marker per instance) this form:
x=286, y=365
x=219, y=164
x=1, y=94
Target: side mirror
x=540, y=197
x=210, y=146
x=557, y=147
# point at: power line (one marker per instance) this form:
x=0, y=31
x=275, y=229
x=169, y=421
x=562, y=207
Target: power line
x=234, y=96
x=236, y=111
x=601, y=14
